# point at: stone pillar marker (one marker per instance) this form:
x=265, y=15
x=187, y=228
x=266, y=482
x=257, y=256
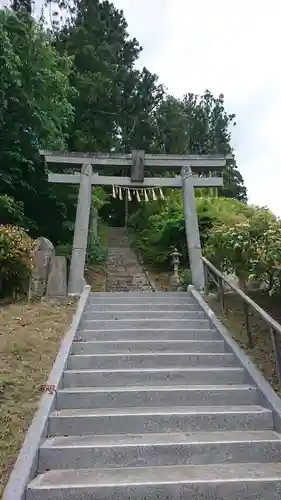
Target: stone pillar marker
x=192, y=229
x=57, y=282
x=78, y=258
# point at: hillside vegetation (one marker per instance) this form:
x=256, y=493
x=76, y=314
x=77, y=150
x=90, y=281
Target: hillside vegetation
x=74, y=85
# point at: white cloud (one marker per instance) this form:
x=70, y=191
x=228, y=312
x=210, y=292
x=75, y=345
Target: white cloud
x=230, y=47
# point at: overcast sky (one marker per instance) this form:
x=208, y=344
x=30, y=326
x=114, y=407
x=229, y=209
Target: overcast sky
x=230, y=47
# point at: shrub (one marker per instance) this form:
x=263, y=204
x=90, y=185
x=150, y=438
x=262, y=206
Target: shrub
x=15, y=259
x=64, y=250
x=233, y=250
x=185, y=278
x=251, y=249
x=11, y=211
x=96, y=253
x=158, y=227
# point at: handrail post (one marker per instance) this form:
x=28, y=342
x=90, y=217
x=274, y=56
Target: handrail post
x=248, y=326
x=221, y=294
x=206, y=277
x=276, y=347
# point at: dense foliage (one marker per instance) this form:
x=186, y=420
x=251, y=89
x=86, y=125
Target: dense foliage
x=157, y=227
x=22, y=4
x=11, y=211
x=76, y=86
x=15, y=259
x=199, y=125
x=35, y=110
x=250, y=248
x=237, y=238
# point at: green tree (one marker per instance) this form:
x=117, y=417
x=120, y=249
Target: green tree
x=95, y=36
x=199, y=125
x=137, y=125
x=19, y=4
x=12, y=212
x=114, y=100
x=34, y=111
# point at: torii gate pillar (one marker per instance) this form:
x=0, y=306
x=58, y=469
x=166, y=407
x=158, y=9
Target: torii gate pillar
x=192, y=230
x=80, y=240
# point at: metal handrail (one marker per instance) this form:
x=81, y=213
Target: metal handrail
x=275, y=328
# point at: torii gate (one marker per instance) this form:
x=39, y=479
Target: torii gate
x=189, y=166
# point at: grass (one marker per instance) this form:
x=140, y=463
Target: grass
x=262, y=353
x=30, y=336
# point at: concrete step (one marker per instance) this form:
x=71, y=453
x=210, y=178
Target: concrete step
x=122, y=270
x=158, y=334
x=122, y=378
x=135, y=315
x=102, y=421
x=139, y=346
x=140, y=297
x=130, y=323
x=126, y=299
x=144, y=306
x=125, y=258
x=167, y=295
x=120, y=274
x=221, y=482
x=124, y=282
x=142, y=450
x=177, y=395
x=129, y=288
x=164, y=296
x=149, y=360
x=116, y=281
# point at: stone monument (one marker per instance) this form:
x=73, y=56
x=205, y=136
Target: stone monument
x=42, y=257
x=56, y=286
x=49, y=272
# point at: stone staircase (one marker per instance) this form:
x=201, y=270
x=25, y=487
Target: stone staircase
x=154, y=405
x=124, y=272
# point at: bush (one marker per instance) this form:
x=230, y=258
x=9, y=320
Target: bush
x=64, y=250
x=251, y=249
x=96, y=253
x=158, y=227
x=185, y=278
x=11, y=211
x=15, y=259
